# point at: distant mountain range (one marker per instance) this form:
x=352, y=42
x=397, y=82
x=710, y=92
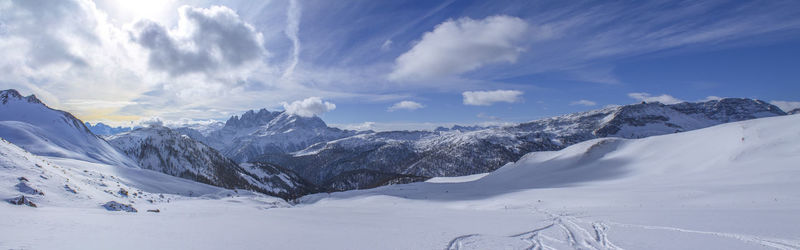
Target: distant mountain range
x=103, y=129
x=287, y=155
x=329, y=157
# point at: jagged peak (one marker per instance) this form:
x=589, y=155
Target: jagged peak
x=251, y=118
x=11, y=94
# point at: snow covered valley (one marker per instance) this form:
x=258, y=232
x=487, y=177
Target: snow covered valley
x=731, y=186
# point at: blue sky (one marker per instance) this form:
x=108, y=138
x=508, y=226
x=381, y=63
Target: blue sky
x=393, y=64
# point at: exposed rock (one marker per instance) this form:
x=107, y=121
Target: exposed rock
x=116, y=206
x=21, y=200
x=70, y=189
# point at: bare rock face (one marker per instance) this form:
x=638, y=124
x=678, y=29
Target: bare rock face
x=116, y=206
x=21, y=200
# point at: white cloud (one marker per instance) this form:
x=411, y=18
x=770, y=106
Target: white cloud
x=712, y=98
x=645, y=97
x=357, y=126
x=151, y=121
x=308, y=107
x=205, y=40
x=786, y=105
x=458, y=46
x=486, y=98
x=583, y=102
x=407, y=105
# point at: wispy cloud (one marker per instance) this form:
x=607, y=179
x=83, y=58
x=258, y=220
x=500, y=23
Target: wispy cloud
x=486, y=98
x=583, y=103
x=405, y=105
x=292, y=30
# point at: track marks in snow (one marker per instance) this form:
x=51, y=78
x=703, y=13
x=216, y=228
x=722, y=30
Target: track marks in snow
x=561, y=232
x=769, y=242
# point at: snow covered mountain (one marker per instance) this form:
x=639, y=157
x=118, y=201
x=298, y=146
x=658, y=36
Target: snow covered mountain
x=457, y=152
x=30, y=124
x=164, y=150
x=264, y=133
x=731, y=186
x=44, y=181
x=103, y=129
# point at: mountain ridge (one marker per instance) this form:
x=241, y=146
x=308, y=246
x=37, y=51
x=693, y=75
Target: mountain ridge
x=471, y=150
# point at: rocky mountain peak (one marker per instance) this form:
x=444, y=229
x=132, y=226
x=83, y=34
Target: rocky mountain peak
x=251, y=119
x=13, y=94
x=729, y=109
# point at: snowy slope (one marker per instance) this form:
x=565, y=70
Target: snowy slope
x=731, y=186
x=61, y=182
x=28, y=123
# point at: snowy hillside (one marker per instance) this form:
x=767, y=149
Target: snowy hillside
x=731, y=186
x=30, y=124
x=161, y=149
x=61, y=182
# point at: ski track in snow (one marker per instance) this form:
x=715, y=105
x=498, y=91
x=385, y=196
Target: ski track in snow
x=563, y=231
x=782, y=244
x=574, y=236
